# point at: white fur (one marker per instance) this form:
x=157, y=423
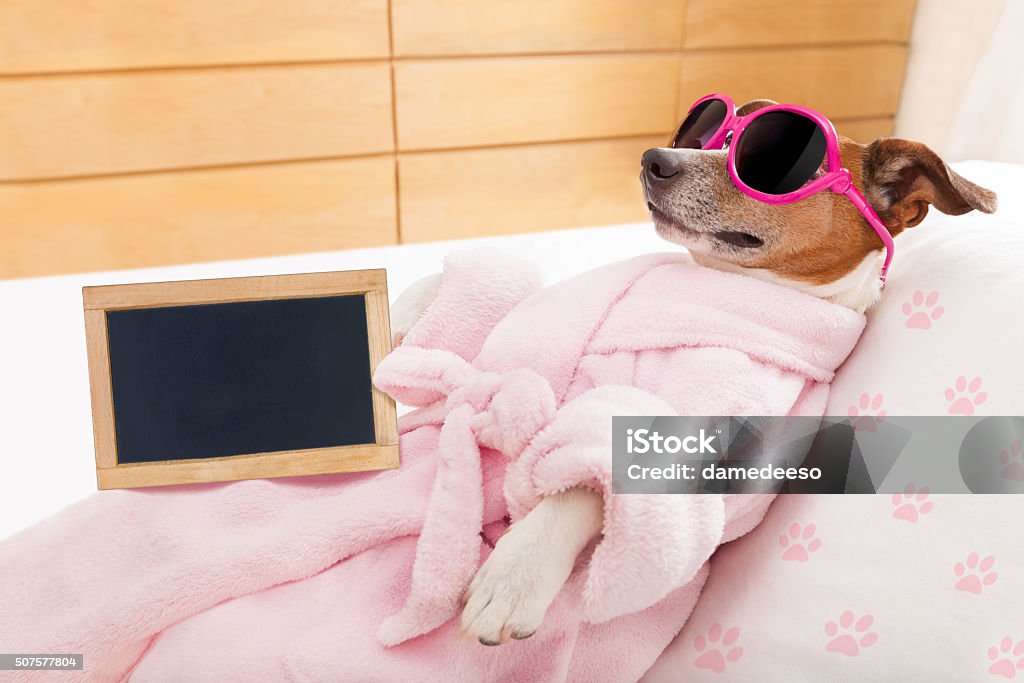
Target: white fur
x=859, y=289
x=529, y=565
x=531, y=562
x=412, y=304
x=533, y=559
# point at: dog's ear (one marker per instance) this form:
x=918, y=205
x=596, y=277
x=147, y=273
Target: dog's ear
x=754, y=105
x=902, y=177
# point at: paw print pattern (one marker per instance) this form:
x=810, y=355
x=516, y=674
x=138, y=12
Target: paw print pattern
x=921, y=311
x=1012, y=460
x=964, y=396
x=1003, y=655
x=716, y=655
x=974, y=573
x=849, y=636
x=912, y=504
x=867, y=413
x=799, y=545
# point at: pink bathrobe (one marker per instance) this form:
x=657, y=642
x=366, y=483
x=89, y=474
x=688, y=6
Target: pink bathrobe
x=358, y=577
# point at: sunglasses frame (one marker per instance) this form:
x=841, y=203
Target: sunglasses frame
x=837, y=178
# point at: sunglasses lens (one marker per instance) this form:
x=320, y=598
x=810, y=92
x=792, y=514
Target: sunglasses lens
x=779, y=152
x=700, y=125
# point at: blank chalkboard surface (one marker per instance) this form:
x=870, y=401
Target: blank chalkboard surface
x=239, y=378
x=225, y=379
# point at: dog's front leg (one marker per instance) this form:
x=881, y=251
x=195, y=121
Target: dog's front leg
x=529, y=565
x=411, y=305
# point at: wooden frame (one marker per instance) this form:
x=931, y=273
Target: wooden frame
x=382, y=454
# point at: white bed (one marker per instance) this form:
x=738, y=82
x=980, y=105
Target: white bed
x=46, y=452
x=870, y=560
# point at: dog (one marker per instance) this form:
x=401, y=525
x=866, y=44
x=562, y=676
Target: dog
x=821, y=246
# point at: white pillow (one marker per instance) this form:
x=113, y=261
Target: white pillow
x=905, y=587
x=953, y=307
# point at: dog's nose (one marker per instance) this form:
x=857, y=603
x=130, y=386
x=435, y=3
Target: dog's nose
x=661, y=164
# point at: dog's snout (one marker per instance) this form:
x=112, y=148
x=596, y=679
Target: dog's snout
x=661, y=164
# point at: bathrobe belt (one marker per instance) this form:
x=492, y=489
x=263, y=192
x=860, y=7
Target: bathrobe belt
x=502, y=411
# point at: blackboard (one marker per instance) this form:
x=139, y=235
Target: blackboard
x=214, y=380
x=226, y=379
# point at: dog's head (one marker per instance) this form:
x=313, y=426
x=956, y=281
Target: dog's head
x=820, y=244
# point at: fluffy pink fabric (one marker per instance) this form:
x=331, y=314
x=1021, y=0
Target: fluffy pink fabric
x=358, y=577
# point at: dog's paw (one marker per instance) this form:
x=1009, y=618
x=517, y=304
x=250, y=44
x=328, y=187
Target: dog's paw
x=511, y=592
x=411, y=304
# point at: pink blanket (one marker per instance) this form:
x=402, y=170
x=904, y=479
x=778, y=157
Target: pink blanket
x=358, y=577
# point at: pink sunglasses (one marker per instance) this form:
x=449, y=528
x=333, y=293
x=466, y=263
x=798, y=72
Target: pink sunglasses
x=775, y=153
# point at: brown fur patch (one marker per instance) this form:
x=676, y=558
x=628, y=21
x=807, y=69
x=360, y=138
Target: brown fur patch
x=900, y=179
x=822, y=238
x=904, y=177
x=831, y=238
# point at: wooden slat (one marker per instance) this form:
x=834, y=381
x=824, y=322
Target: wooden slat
x=101, y=393
x=359, y=458
x=865, y=130
x=494, y=101
x=751, y=23
x=842, y=82
x=114, y=123
x=464, y=27
x=149, y=220
x=378, y=323
x=470, y=193
x=235, y=289
x=470, y=102
x=96, y=35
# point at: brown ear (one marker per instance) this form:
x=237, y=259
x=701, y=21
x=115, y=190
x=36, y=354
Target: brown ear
x=754, y=105
x=902, y=177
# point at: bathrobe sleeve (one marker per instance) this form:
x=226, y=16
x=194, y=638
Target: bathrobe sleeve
x=650, y=544
x=478, y=288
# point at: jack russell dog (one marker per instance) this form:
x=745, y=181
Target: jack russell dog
x=821, y=245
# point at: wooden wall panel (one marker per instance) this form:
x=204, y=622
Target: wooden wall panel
x=492, y=101
x=474, y=27
x=138, y=132
x=100, y=35
x=865, y=130
x=114, y=123
x=842, y=82
x=163, y=218
x=473, y=193
x=750, y=23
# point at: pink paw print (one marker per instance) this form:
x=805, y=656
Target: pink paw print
x=921, y=310
x=866, y=414
x=714, y=655
x=1002, y=657
x=974, y=573
x=964, y=396
x=799, y=546
x=912, y=503
x=1013, y=462
x=848, y=637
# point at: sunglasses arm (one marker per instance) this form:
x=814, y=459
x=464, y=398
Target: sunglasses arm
x=846, y=187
